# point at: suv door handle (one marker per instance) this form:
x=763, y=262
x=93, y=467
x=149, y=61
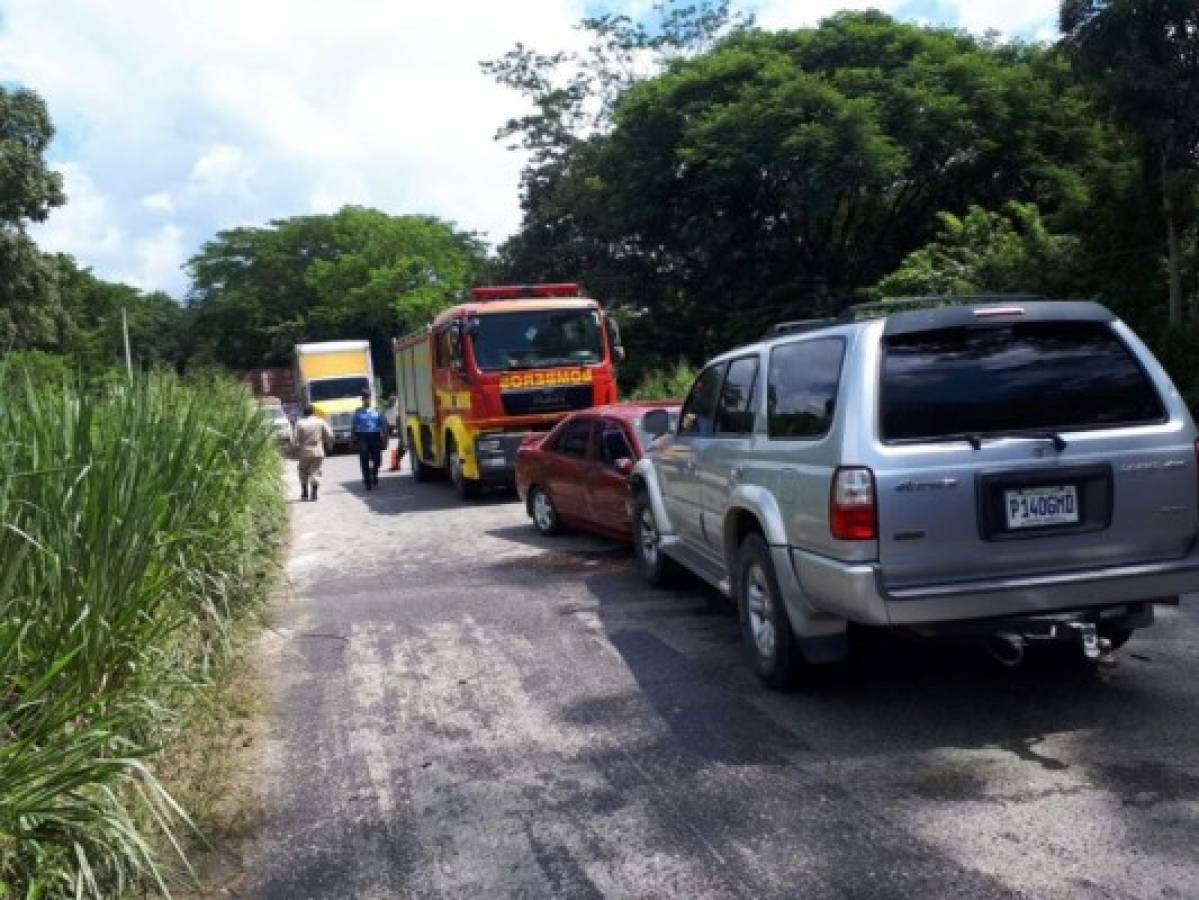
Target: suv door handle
x=736, y=473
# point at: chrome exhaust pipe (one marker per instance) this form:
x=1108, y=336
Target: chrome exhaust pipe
x=1007, y=649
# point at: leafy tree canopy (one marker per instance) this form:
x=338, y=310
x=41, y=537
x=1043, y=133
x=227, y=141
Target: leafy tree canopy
x=780, y=173
x=359, y=273
x=1141, y=57
x=987, y=252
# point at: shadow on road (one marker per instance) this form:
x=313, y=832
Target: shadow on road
x=894, y=696
x=398, y=493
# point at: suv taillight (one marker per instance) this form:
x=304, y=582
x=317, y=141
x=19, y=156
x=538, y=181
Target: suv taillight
x=851, y=505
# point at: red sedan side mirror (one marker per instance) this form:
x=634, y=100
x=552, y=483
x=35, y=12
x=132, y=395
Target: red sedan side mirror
x=624, y=466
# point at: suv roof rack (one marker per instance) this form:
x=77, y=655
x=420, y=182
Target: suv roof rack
x=933, y=301
x=878, y=309
x=798, y=326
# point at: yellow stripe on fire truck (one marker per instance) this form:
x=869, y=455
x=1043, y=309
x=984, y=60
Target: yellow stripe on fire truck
x=453, y=399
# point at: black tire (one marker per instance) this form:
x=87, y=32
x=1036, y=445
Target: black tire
x=653, y=566
x=543, y=512
x=765, y=626
x=421, y=470
x=467, y=488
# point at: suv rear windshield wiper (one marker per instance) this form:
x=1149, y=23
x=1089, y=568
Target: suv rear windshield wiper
x=975, y=438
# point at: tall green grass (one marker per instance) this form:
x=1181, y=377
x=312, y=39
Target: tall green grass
x=137, y=524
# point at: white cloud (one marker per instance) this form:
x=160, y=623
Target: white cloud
x=159, y=258
x=203, y=116
x=198, y=116
x=87, y=225
x=1028, y=19
x=159, y=201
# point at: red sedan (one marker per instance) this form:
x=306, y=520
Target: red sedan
x=578, y=474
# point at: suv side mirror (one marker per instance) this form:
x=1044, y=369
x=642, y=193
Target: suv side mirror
x=624, y=466
x=656, y=422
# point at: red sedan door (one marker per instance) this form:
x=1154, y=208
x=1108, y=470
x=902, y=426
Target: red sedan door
x=567, y=468
x=607, y=485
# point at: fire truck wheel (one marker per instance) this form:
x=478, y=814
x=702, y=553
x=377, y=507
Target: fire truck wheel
x=467, y=488
x=545, y=516
x=421, y=470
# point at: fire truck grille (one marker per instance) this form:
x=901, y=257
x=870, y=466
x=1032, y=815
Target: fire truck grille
x=548, y=399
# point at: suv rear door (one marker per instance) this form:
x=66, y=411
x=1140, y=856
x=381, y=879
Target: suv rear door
x=723, y=460
x=1020, y=443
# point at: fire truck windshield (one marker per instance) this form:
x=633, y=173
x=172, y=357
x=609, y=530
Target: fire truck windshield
x=527, y=340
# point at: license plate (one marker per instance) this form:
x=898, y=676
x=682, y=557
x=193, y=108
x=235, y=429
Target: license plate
x=1040, y=506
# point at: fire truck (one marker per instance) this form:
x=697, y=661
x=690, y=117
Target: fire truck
x=513, y=360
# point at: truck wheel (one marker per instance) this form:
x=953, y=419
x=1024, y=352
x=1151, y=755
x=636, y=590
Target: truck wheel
x=467, y=488
x=765, y=627
x=652, y=564
x=421, y=470
x=545, y=515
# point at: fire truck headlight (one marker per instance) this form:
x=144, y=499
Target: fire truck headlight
x=489, y=445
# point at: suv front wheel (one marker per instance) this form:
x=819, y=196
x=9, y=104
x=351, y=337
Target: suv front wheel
x=653, y=566
x=765, y=627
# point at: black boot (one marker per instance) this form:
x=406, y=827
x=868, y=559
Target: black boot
x=314, y=487
x=304, y=492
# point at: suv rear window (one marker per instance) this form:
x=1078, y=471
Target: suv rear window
x=1047, y=376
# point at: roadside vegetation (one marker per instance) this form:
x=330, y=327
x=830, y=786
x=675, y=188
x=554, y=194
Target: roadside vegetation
x=670, y=383
x=139, y=527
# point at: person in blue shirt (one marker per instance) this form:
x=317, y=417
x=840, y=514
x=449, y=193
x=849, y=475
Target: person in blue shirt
x=370, y=432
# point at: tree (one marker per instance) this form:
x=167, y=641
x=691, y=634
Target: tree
x=359, y=273
x=574, y=94
x=1142, y=56
x=988, y=252
x=780, y=174
x=29, y=189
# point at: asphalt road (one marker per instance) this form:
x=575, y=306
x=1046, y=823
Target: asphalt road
x=465, y=709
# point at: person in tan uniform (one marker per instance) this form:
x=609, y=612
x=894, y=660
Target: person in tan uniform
x=312, y=438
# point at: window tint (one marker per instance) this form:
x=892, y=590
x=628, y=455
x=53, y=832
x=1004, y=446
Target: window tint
x=696, y=417
x=801, y=393
x=612, y=443
x=572, y=439
x=735, y=412
x=1049, y=376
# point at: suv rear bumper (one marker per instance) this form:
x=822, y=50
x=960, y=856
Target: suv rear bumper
x=855, y=591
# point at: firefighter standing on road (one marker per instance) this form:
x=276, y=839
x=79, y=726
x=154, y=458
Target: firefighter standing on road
x=312, y=437
x=370, y=431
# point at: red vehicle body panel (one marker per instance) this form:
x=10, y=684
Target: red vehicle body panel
x=588, y=492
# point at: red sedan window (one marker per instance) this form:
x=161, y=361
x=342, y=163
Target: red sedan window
x=572, y=439
x=613, y=444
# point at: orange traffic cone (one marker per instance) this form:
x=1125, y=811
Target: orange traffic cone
x=395, y=459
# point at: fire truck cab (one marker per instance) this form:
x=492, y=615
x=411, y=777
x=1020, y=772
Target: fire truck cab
x=514, y=359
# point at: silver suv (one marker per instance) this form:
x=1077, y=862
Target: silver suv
x=1012, y=470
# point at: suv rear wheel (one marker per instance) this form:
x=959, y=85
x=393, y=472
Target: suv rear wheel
x=653, y=566
x=765, y=627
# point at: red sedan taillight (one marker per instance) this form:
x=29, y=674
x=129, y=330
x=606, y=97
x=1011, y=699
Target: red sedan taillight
x=851, y=505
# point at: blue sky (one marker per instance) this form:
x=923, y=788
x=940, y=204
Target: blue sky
x=177, y=118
